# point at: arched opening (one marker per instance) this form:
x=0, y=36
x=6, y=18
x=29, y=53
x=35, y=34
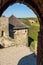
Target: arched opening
x=31, y=23
x=36, y=10
x=2, y=33
x=21, y=19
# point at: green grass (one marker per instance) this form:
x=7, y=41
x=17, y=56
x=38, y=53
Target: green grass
x=26, y=21
x=32, y=45
x=33, y=32
x=33, y=29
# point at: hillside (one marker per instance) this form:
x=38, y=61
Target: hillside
x=33, y=29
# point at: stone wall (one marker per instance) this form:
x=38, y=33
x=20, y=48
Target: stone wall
x=21, y=37
x=37, y=7
x=4, y=26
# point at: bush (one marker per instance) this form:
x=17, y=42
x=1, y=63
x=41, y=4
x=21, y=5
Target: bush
x=32, y=45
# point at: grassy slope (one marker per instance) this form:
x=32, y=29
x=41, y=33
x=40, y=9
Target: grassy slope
x=33, y=32
x=33, y=29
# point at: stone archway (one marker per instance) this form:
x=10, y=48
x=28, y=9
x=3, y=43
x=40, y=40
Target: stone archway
x=37, y=7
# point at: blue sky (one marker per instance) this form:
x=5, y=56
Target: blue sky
x=19, y=11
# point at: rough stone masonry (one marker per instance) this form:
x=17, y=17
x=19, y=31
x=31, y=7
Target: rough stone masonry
x=13, y=32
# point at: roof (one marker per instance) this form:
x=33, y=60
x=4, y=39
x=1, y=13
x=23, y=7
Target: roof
x=18, y=24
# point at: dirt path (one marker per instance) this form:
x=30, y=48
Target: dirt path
x=15, y=55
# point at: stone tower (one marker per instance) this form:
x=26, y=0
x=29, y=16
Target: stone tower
x=4, y=27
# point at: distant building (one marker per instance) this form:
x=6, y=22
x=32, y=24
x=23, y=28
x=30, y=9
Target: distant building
x=31, y=21
x=13, y=28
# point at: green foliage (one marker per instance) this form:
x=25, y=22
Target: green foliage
x=32, y=45
x=33, y=32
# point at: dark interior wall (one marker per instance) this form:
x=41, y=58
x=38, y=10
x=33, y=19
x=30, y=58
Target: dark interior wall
x=11, y=30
